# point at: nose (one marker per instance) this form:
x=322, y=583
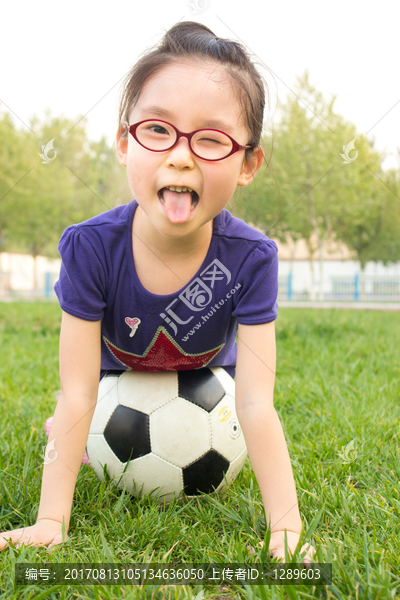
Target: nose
x=181, y=156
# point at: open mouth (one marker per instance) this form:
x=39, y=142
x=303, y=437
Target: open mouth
x=195, y=196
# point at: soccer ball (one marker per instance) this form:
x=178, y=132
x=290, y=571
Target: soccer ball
x=167, y=432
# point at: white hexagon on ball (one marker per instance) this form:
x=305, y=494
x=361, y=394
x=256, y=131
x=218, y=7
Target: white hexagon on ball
x=227, y=382
x=226, y=434
x=180, y=432
x=135, y=392
x=107, y=402
x=97, y=446
x=153, y=473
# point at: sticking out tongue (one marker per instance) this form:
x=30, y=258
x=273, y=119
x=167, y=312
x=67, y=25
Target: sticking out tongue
x=177, y=205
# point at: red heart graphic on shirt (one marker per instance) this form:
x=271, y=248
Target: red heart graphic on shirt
x=133, y=323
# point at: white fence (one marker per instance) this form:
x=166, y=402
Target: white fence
x=45, y=288
x=338, y=281
x=333, y=280
x=363, y=288
x=22, y=276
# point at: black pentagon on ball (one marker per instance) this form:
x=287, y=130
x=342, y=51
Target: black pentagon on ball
x=128, y=433
x=200, y=387
x=204, y=474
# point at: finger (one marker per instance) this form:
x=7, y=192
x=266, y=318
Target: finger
x=4, y=542
x=278, y=553
x=26, y=542
x=310, y=550
x=57, y=540
x=251, y=549
x=9, y=536
x=309, y=553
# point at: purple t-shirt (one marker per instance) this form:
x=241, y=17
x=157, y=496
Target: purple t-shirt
x=192, y=328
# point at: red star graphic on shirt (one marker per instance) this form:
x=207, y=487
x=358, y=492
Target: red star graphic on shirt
x=163, y=354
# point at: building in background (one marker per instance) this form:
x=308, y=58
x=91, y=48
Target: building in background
x=332, y=276
x=23, y=276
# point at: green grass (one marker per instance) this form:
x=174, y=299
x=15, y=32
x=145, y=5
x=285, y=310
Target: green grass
x=337, y=381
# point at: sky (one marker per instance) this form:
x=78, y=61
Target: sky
x=71, y=56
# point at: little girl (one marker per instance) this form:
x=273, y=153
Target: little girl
x=166, y=281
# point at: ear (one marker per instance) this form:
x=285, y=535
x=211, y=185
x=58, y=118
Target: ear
x=251, y=166
x=121, y=141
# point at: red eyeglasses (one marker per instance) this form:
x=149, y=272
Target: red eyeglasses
x=208, y=144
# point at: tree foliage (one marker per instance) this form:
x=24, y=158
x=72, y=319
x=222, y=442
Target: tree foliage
x=42, y=198
x=308, y=192
x=303, y=192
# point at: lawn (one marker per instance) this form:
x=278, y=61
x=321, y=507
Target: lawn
x=337, y=395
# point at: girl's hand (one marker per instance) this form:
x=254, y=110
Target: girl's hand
x=45, y=532
x=277, y=546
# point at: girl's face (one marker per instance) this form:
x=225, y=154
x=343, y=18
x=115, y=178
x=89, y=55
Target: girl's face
x=189, y=97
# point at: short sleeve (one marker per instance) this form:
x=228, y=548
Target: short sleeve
x=255, y=301
x=81, y=288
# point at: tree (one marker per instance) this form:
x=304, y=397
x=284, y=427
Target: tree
x=319, y=198
x=16, y=165
x=370, y=224
x=71, y=186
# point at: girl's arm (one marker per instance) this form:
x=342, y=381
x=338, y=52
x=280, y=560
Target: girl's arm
x=265, y=440
x=79, y=374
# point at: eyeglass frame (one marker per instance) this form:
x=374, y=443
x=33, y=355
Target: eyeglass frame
x=235, y=146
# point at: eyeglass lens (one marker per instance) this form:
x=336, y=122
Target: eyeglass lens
x=208, y=144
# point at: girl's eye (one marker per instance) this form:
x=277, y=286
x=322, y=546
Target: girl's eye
x=209, y=140
x=157, y=129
